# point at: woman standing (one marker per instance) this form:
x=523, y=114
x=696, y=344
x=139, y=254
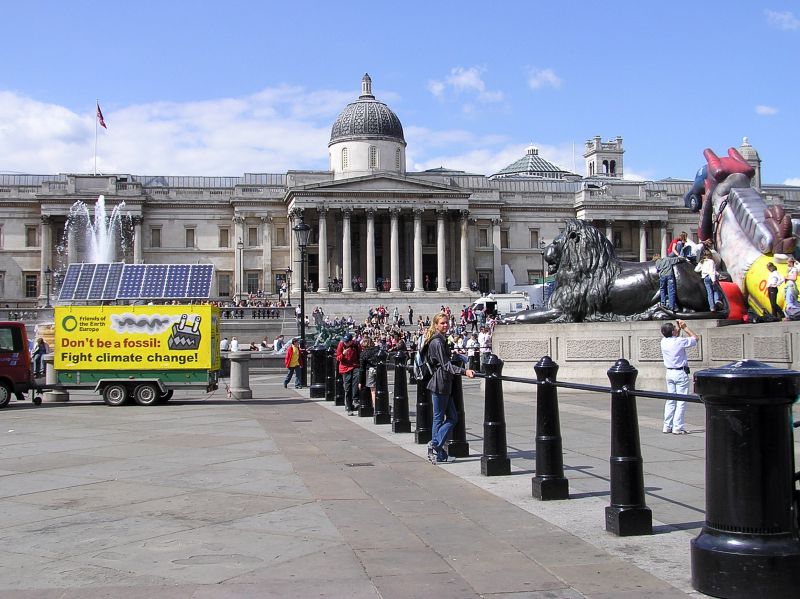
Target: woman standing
x=708, y=270
x=369, y=364
x=774, y=280
x=441, y=386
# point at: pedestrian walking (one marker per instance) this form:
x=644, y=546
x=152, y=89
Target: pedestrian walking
x=348, y=355
x=441, y=385
x=294, y=364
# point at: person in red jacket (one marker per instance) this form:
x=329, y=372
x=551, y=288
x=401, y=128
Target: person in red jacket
x=294, y=364
x=348, y=355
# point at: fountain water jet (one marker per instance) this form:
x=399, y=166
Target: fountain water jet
x=100, y=237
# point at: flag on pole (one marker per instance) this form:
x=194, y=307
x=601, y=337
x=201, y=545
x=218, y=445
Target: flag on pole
x=100, y=117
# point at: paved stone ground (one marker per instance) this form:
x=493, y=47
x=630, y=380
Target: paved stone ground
x=282, y=496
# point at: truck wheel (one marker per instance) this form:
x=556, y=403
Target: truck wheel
x=5, y=395
x=115, y=395
x=166, y=396
x=146, y=395
x=37, y=401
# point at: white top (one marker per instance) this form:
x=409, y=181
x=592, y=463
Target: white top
x=774, y=279
x=673, y=349
x=707, y=268
x=234, y=346
x=485, y=342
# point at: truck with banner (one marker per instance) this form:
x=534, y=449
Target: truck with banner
x=138, y=352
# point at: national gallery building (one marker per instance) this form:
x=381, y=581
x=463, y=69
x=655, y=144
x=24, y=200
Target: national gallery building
x=375, y=226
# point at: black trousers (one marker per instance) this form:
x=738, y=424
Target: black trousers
x=350, y=382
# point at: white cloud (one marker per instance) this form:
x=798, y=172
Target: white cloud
x=468, y=81
x=270, y=131
x=539, y=78
x=782, y=20
x=792, y=181
x=765, y=110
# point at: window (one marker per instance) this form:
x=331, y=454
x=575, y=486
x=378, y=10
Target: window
x=534, y=277
x=504, y=239
x=345, y=160
x=32, y=237
x=280, y=236
x=252, y=282
x=430, y=234
x=397, y=159
x=484, y=281
x=252, y=236
x=31, y=285
x=535, y=238
x=617, y=239
x=155, y=237
x=373, y=157
x=190, y=237
x=483, y=238
x=225, y=238
x=223, y=284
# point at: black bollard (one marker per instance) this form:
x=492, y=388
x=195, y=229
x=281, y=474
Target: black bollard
x=365, y=408
x=423, y=432
x=304, y=369
x=494, y=461
x=549, y=482
x=318, y=359
x=339, y=399
x=457, y=446
x=749, y=545
x=330, y=374
x=627, y=515
x=382, y=412
x=400, y=420
x=475, y=361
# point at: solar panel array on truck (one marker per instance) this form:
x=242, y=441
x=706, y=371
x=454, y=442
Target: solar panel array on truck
x=92, y=282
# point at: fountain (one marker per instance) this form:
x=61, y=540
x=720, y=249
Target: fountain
x=97, y=237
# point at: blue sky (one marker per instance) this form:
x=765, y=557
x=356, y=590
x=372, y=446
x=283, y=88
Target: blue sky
x=223, y=88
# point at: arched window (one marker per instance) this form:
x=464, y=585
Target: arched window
x=397, y=164
x=605, y=167
x=373, y=157
x=345, y=160
x=613, y=167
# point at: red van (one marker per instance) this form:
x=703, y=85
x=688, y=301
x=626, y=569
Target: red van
x=16, y=374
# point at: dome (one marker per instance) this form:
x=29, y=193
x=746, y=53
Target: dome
x=747, y=151
x=367, y=118
x=532, y=165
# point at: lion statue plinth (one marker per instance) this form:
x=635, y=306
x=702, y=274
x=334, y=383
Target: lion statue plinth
x=592, y=284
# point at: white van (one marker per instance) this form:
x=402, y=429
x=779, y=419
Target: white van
x=502, y=304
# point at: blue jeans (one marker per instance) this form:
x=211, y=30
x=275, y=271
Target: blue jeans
x=713, y=296
x=296, y=370
x=666, y=286
x=674, y=410
x=444, y=419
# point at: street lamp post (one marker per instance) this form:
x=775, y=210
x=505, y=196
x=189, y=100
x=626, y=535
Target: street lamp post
x=47, y=273
x=303, y=231
x=240, y=271
x=288, y=286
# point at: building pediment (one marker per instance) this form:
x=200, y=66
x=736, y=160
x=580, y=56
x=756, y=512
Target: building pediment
x=380, y=183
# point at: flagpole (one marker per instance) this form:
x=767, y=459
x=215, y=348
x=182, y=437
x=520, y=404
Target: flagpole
x=97, y=103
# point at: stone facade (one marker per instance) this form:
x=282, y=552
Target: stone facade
x=431, y=231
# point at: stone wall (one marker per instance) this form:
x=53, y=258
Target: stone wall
x=585, y=351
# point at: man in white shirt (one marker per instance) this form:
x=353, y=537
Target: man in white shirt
x=673, y=351
x=234, y=344
x=223, y=345
x=485, y=345
x=277, y=344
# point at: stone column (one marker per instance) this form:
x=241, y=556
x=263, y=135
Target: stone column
x=497, y=267
x=643, y=241
x=441, y=240
x=138, y=242
x=323, y=249
x=51, y=378
x=464, y=252
x=610, y=230
x=238, y=257
x=394, y=216
x=294, y=219
x=240, y=375
x=347, y=273
x=663, y=238
x=266, y=253
x=418, y=249
x=45, y=251
x=371, y=250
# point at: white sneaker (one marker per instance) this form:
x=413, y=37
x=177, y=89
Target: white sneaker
x=666, y=430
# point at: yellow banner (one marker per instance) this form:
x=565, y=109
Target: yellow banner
x=137, y=338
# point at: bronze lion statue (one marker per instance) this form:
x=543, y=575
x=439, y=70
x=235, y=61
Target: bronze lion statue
x=592, y=284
